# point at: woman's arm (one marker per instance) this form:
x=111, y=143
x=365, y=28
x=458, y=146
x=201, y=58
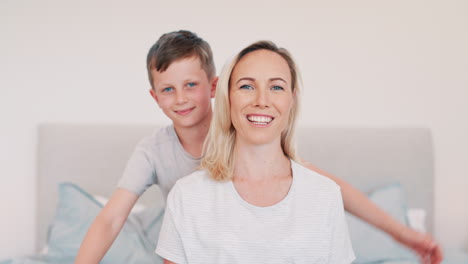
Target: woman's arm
x=359, y=205
x=106, y=227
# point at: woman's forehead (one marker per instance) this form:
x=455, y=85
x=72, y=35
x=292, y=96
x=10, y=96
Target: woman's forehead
x=261, y=64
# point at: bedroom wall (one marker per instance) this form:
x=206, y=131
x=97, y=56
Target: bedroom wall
x=364, y=63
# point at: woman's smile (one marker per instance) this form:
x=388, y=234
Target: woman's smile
x=260, y=120
x=261, y=97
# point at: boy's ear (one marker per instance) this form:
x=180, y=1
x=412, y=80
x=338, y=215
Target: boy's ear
x=213, y=86
x=153, y=94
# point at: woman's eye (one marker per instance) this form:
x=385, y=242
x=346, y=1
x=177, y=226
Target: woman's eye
x=246, y=86
x=277, y=88
x=167, y=89
x=191, y=84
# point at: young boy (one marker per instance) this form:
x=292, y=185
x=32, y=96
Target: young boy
x=182, y=76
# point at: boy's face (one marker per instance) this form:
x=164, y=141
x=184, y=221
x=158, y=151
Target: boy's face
x=184, y=93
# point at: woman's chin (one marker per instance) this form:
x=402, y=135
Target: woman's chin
x=261, y=139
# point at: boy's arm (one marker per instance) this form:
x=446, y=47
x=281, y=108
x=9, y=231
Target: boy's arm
x=106, y=227
x=359, y=205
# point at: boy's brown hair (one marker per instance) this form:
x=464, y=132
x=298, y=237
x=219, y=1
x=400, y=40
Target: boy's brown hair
x=177, y=45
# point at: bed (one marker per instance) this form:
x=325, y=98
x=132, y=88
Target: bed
x=80, y=164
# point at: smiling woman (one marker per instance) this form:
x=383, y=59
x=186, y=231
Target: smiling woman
x=261, y=97
x=253, y=201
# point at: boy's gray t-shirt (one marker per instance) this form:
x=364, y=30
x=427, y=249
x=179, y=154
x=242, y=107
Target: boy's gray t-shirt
x=157, y=159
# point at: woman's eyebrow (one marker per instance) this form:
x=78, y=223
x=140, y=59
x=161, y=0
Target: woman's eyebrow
x=246, y=79
x=278, y=79
x=253, y=79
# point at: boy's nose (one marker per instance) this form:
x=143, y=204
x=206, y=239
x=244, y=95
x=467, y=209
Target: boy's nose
x=181, y=97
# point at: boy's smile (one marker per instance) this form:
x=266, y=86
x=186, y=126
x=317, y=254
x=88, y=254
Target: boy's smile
x=185, y=111
x=184, y=92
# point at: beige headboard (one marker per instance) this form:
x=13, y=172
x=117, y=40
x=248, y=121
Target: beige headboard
x=94, y=156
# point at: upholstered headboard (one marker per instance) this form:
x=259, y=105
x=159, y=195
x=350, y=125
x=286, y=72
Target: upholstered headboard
x=94, y=156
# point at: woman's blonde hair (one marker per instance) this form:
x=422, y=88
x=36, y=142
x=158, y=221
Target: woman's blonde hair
x=219, y=144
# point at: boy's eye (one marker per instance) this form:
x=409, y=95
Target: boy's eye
x=191, y=84
x=246, y=86
x=167, y=89
x=277, y=88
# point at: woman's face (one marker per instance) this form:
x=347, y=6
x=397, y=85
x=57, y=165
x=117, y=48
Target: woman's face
x=261, y=97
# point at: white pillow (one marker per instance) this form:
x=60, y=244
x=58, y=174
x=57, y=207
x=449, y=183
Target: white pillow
x=417, y=219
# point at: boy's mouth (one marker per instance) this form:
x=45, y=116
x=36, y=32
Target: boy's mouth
x=262, y=120
x=185, y=111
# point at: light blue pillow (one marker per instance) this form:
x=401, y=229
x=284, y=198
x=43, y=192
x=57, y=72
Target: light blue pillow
x=369, y=243
x=76, y=211
x=150, y=220
x=454, y=256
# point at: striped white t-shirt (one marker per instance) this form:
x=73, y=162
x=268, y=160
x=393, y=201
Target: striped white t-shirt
x=208, y=222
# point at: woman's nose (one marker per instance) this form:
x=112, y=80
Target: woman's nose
x=262, y=98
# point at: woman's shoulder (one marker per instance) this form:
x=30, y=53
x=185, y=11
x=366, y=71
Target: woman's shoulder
x=195, y=183
x=313, y=178
x=315, y=188
x=194, y=193
x=196, y=177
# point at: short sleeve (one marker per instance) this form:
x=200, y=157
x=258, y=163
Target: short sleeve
x=139, y=174
x=170, y=245
x=341, y=250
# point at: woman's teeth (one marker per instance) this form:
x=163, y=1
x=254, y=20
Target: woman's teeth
x=260, y=120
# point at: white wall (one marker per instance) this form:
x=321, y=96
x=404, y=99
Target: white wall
x=369, y=63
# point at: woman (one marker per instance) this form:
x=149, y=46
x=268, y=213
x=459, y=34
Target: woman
x=254, y=202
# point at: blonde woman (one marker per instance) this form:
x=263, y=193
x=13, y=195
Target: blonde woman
x=253, y=202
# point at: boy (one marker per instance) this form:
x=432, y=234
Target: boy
x=182, y=76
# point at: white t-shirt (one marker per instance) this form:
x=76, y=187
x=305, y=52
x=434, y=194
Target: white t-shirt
x=208, y=222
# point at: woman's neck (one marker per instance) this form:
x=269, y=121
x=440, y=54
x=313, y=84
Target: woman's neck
x=262, y=173
x=260, y=162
